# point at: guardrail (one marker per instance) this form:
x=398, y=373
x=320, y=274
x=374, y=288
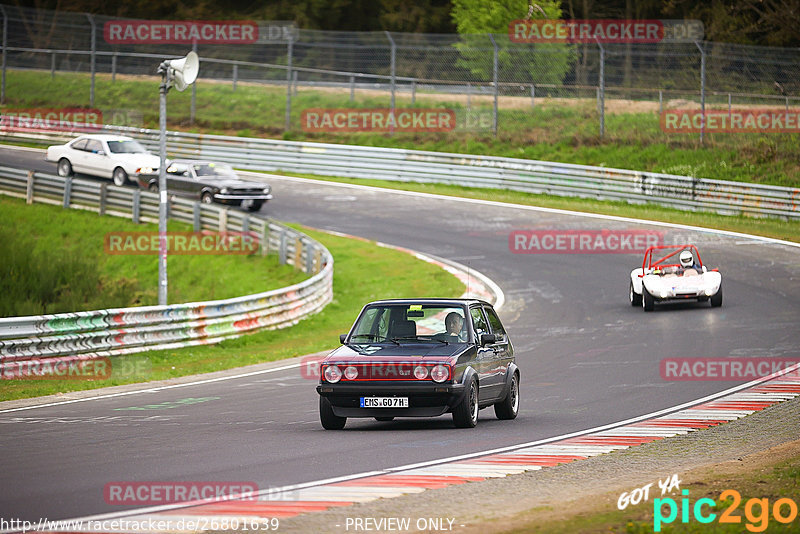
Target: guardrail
x=531, y=176
x=94, y=334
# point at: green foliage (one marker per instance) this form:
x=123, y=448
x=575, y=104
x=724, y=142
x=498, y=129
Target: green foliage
x=541, y=63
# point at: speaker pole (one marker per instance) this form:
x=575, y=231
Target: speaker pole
x=162, y=183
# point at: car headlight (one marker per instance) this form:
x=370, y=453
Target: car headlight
x=709, y=291
x=224, y=190
x=420, y=372
x=350, y=372
x=440, y=373
x=145, y=170
x=332, y=374
x=267, y=190
x=664, y=293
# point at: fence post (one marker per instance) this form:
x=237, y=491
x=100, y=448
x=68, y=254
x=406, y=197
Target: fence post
x=413, y=92
x=660, y=101
x=52, y=66
x=245, y=223
x=223, y=220
x=601, y=91
x=114, y=68
x=29, y=189
x=265, y=238
x=730, y=111
x=310, y=249
x=137, y=197
x=193, y=109
x=235, y=75
x=392, y=65
x=67, y=191
x=469, y=96
x=702, y=90
x=533, y=96
x=352, y=88
x=294, y=83
x=103, y=196
x=5, y=46
x=495, y=76
x=288, y=117
x=282, y=248
x=94, y=51
x=197, y=221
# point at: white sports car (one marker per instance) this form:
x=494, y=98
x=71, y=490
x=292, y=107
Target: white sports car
x=659, y=281
x=107, y=156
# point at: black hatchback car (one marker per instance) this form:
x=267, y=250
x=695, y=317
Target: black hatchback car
x=208, y=182
x=420, y=358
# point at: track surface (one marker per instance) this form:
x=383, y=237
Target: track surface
x=587, y=358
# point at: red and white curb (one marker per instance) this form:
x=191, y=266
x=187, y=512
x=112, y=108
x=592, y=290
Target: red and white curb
x=292, y=502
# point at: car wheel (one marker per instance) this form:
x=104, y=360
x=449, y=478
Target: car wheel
x=119, y=177
x=64, y=167
x=153, y=187
x=207, y=198
x=716, y=298
x=255, y=206
x=509, y=407
x=329, y=420
x=648, y=302
x=465, y=414
x=635, y=298
x=384, y=419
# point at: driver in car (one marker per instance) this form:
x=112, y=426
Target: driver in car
x=688, y=265
x=453, y=324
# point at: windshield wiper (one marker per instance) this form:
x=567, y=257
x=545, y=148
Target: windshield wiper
x=374, y=337
x=436, y=339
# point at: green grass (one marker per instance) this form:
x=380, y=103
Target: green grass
x=767, y=227
x=55, y=261
x=556, y=130
x=363, y=272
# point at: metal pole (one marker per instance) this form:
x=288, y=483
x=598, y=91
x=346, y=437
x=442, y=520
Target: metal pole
x=94, y=50
x=702, y=91
x=5, y=45
x=113, y=68
x=352, y=88
x=602, y=89
x=392, y=65
x=469, y=96
x=235, y=74
x=288, y=118
x=533, y=96
x=730, y=111
x=294, y=83
x=193, y=110
x=495, y=77
x=52, y=66
x=413, y=92
x=162, y=187
x=660, y=101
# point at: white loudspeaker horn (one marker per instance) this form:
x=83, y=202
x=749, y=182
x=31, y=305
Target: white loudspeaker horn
x=184, y=71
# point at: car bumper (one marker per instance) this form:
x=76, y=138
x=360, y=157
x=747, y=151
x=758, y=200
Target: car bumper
x=235, y=199
x=424, y=400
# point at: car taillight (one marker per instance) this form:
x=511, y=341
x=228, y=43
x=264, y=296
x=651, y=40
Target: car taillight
x=420, y=372
x=332, y=374
x=350, y=373
x=440, y=373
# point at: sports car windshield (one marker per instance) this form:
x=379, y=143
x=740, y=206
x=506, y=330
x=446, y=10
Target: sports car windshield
x=126, y=147
x=410, y=323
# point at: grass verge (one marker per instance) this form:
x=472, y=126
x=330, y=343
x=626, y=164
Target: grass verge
x=54, y=261
x=564, y=130
x=766, y=477
x=363, y=272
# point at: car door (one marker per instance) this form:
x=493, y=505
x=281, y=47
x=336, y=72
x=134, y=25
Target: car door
x=180, y=180
x=94, y=156
x=485, y=364
x=502, y=348
x=76, y=154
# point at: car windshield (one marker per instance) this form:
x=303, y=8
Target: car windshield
x=126, y=147
x=211, y=170
x=414, y=323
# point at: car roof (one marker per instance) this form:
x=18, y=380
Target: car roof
x=105, y=137
x=445, y=301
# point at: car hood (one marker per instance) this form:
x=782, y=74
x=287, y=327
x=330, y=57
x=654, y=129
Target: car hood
x=139, y=160
x=234, y=183
x=393, y=353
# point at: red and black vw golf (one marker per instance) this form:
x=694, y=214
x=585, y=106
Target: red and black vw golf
x=420, y=358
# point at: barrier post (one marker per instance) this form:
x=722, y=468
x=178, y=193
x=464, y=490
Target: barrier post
x=67, y=191
x=29, y=189
x=137, y=204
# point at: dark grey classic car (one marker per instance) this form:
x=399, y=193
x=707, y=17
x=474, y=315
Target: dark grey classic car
x=420, y=358
x=210, y=182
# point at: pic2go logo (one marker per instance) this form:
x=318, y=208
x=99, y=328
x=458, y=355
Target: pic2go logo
x=756, y=511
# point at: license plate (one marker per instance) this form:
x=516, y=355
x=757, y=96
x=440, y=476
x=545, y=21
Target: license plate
x=246, y=203
x=384, y=402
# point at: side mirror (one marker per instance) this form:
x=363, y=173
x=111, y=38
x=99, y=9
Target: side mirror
x=342, y=337
x=488, y=339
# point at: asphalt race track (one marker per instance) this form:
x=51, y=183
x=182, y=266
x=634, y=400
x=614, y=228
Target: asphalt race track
x=586, y=356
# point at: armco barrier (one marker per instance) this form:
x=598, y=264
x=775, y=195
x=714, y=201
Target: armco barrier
x=562, y=179
x=92, y=334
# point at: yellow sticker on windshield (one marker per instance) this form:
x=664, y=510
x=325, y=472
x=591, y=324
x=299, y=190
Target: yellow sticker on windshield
x=415, y=307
